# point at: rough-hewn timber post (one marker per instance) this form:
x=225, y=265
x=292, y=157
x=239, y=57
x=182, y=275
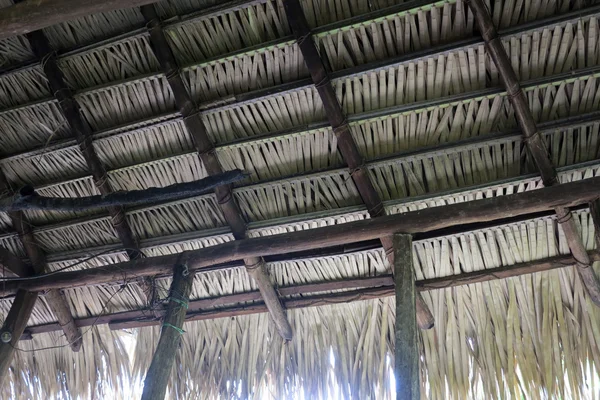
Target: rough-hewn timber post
x=407, y=341
x=155, y=383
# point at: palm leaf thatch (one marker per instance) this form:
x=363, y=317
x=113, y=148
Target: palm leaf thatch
x=428, y=113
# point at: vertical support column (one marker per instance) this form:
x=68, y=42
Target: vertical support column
x=407, y=341
x=157, y=378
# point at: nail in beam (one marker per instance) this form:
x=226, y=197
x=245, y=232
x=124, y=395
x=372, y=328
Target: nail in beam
x=421, y=221
x=535, y=143
x=407, y=342
x=255, y=266
x=157, y=377
x=345, y=141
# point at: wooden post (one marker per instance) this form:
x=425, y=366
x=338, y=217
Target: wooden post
x=407, y=341
x=157, y=378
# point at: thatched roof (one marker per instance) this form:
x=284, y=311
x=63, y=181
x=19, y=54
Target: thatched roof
x=429, y=114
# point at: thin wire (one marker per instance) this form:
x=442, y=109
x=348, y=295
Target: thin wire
x=102, y=313
x=33, y=277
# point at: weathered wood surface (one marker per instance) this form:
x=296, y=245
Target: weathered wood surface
x=31, y=15
x=425, y=220
x=345, y=141
x=157, y=377
x=406, y=333
x=205, y=148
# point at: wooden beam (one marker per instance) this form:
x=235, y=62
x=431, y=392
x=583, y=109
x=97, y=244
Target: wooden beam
x=535, y=142
x=157, y=378
x=425, y=220
x=255, y=266
x=345, y=142
x=56, y=300
x=32, y=15
x=226, y=306
x=595, y=212
x=83, y=135
x=406, y=334
x=13, y=265
x=14, y=325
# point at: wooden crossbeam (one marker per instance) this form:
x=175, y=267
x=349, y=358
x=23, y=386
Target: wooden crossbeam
x=535, y=142
x=345, y=142
x=354, y=289
x=83, y=135
x=425, y=220
x=255, y=266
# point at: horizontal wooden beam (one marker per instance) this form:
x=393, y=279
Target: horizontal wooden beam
x=31, y=15
x=426, y=220
x=225, y=306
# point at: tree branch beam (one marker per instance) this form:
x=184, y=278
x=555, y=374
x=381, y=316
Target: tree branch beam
x=421, y=221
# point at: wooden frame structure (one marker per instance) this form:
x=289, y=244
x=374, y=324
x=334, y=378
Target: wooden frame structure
x=382, y=227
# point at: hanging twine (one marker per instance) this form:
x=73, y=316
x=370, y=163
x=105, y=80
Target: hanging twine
x=166, y=324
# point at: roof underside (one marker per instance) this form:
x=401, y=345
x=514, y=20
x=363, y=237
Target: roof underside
x=428, y=113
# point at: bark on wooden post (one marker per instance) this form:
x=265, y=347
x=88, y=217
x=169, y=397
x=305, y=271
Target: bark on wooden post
x=407, y=341
x=155, y=383
x=15, y=324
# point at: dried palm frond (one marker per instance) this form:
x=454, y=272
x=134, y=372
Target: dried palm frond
x=116, y=61
x=29, y=126
x=171, y=8
x=242, y=27
x=107, y=107
x=23, y=86
x=245, y=72
x=15, y=50
x=91, y=28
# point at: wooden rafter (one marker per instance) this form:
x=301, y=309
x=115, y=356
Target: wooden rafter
x=345, y=142
x=535, y=143
x=83, y=135
x=425, y=220
x=255, y=266
x=57, y=302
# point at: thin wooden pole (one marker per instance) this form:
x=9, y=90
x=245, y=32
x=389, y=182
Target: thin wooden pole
x=345, y=142
x=407, y=341
x=157, y=378
x=255, y=266
x=535, y=142
x=425, y=220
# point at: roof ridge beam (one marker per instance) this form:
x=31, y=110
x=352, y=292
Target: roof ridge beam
x=192, y=119
x=345, y=142
x=535, y=142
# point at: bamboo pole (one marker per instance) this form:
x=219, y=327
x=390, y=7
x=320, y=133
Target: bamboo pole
x=255, y=266
x=157, y=378
x=425, y=220
x=345, y=142
x=406, y=334
x=535, y=143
